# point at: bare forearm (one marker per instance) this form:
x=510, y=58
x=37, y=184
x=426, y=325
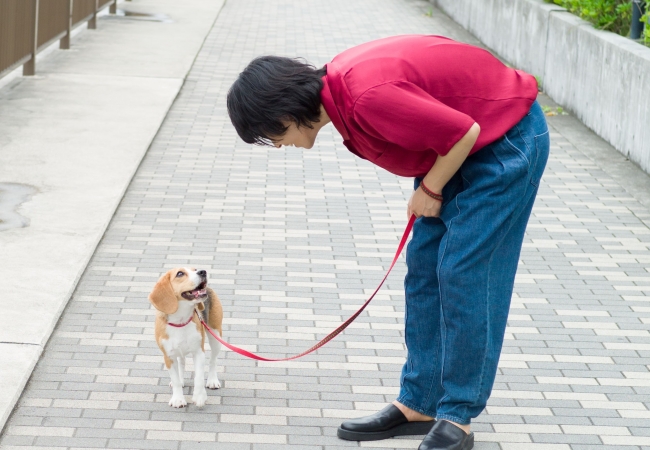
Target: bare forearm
x=421, y=204
x=446, y=166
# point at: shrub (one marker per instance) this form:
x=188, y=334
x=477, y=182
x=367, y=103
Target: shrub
x=611, y=15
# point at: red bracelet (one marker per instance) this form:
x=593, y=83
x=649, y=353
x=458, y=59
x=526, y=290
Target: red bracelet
x=429, y=192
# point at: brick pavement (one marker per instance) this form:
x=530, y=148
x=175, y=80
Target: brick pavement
x=294, y=240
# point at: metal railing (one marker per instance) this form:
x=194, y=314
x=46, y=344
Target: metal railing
x=638, y=10
x=28, y=26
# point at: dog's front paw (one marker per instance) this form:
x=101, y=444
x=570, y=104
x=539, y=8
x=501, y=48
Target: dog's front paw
x=213, y=383
x=178, y=402
x=199, y=398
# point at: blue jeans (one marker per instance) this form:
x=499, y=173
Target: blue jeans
x=461, y=272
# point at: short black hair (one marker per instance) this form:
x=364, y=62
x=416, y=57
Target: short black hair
x=270, y=90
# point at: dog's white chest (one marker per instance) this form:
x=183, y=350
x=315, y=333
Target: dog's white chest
x=182, y=341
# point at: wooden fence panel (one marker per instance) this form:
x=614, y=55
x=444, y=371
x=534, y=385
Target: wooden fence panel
x=16, y=32
x=82, y=10
x=55, y=19
x=53, y=16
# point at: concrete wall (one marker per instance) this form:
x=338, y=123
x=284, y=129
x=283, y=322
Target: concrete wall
x=602, y=78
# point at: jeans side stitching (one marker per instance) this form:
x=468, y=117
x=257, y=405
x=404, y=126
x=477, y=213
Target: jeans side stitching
x=522, y=138
x=537, y=153
x=443, y=353
x=485, y=354
x=442, y=314
x=409, y=362
x=517, y=150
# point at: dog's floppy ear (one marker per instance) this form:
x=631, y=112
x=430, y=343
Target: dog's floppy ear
x=162, y=297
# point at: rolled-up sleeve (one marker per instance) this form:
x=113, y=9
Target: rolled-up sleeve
x=405, y=115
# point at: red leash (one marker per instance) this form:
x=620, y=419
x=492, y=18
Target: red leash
x=334, y=333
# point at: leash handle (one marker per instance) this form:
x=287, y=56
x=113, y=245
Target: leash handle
x=334, y=333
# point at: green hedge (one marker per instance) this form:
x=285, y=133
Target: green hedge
x=611, y=15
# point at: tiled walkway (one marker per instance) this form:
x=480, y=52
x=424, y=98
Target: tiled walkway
x=294, y=241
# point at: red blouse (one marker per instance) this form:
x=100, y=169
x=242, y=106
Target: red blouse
x=399, y=102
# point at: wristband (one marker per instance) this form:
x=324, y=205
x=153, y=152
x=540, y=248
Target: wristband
x=429, y=192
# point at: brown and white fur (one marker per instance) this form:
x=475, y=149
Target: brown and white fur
x=175, y=296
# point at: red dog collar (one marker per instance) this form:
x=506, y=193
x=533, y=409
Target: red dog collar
x=181, y=325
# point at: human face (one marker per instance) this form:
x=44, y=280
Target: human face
x=296, y=136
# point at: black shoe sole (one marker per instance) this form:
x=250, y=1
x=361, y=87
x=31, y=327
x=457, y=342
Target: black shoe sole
x=405, y=429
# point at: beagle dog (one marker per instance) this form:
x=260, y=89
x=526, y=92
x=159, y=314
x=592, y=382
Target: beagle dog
x=179, y=333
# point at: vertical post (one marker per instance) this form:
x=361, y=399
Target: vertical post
x=113, y=8
x=92, y=23
x=64, y=43
x=29, y=68
x=638, y=9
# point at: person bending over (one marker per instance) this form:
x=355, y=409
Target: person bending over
x=471, y=134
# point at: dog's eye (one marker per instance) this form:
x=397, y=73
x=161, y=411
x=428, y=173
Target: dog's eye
x=180, y=274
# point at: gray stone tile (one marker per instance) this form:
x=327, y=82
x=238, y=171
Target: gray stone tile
x=196, y=165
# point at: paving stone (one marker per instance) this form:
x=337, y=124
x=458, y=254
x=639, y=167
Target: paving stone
x=294, y=241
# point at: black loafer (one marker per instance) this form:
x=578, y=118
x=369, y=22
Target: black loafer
x=384, y=424
x=447, y=436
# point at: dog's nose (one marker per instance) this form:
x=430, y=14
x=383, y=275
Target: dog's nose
x=201, y=273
